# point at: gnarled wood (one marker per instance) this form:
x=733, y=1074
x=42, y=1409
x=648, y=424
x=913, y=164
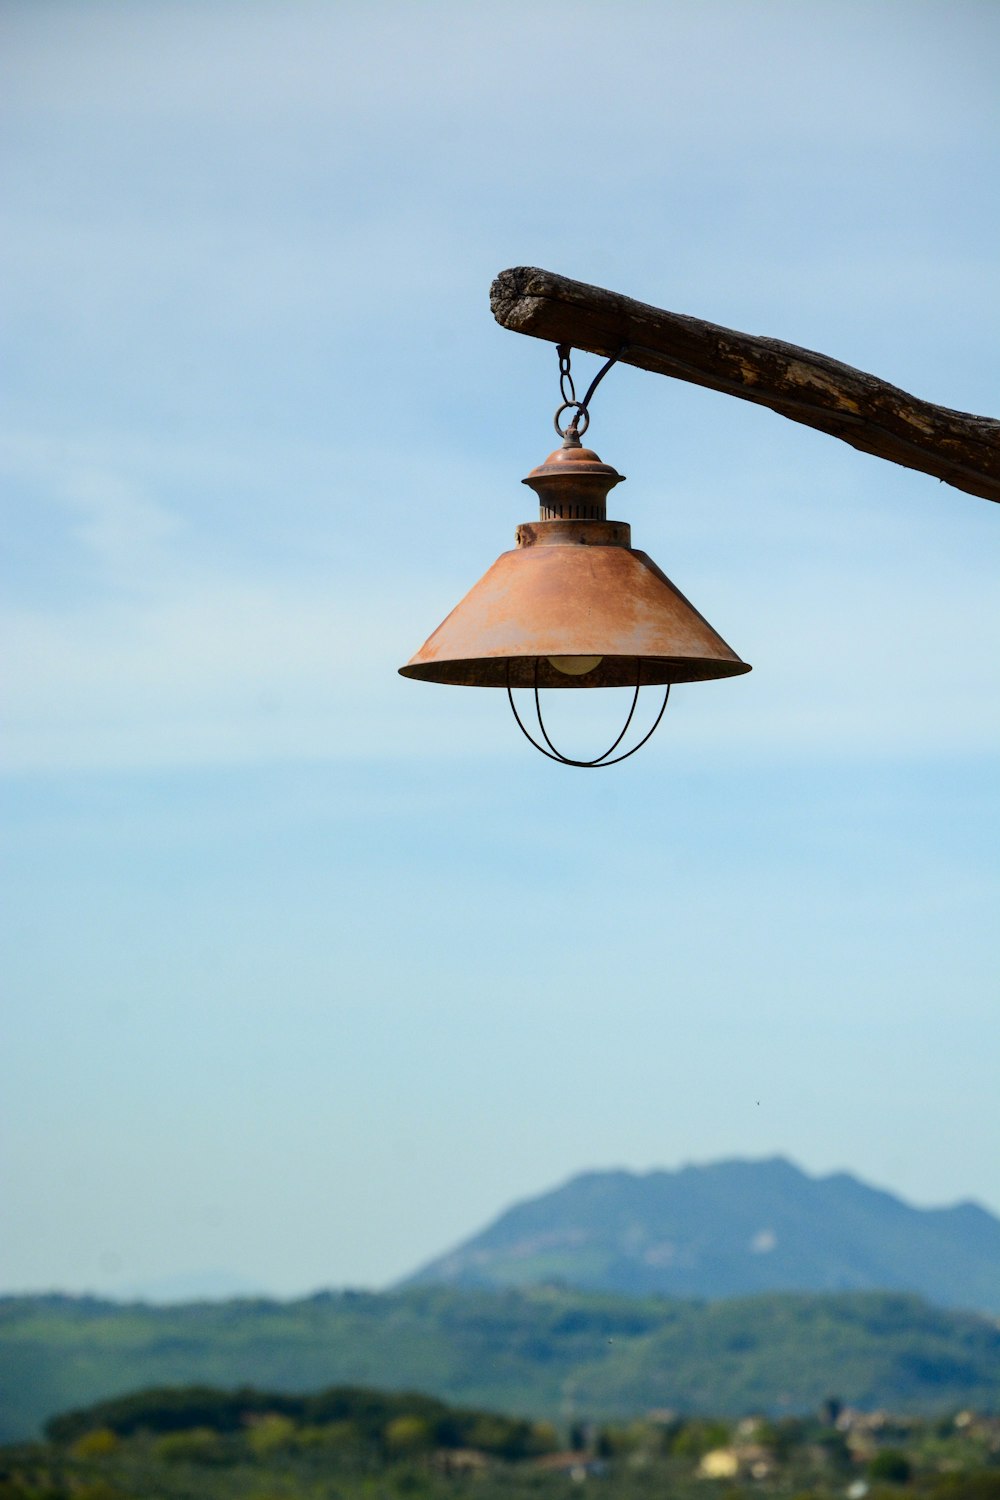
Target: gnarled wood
x=961, y=449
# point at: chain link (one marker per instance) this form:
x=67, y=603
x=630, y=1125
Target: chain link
x=566, y=387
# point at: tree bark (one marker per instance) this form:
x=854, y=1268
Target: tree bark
x=961, y=449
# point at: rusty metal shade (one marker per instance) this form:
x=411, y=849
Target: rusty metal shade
x=573, y=588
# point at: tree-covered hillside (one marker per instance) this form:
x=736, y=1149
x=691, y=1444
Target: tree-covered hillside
x=524, y=1352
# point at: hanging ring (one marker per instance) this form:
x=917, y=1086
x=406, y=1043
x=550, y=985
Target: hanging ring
x=580, y=422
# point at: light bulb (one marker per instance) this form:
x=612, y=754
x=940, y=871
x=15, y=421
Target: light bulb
x=575, y=666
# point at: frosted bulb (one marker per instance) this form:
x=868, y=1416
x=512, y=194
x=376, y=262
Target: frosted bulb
x=575, y=666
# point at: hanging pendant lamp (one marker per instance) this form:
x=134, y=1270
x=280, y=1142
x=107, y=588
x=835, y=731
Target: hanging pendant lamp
x=573, y=605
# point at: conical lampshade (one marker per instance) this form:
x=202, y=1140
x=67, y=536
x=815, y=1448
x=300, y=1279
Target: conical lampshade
x=573, y=589
x=573, y=594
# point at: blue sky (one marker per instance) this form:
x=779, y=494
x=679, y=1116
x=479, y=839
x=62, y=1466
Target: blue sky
x=311, y=969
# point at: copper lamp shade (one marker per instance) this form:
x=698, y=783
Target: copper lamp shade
x=574, y=605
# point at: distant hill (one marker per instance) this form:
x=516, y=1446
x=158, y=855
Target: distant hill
x=526, y=1352
x=732, y=1229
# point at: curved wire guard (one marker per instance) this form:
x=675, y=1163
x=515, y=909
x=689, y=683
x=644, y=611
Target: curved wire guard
x=599, y=761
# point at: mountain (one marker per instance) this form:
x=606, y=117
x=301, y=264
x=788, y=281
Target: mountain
x=527, y=1352
x=732, y=1229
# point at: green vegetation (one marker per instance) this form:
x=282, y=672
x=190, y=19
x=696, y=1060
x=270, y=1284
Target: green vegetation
x=374, y=1422
x=348, y=1443
x=517, y=1351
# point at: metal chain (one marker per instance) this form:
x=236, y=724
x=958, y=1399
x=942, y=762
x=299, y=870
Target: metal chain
x=581, y=421
x=566, y=387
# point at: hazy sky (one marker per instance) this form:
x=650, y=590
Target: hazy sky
x=311, y=970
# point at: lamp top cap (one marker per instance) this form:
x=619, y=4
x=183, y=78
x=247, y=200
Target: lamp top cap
x=571, y=461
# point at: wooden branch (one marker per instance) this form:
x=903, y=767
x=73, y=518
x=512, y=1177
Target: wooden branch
x=956, y=447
